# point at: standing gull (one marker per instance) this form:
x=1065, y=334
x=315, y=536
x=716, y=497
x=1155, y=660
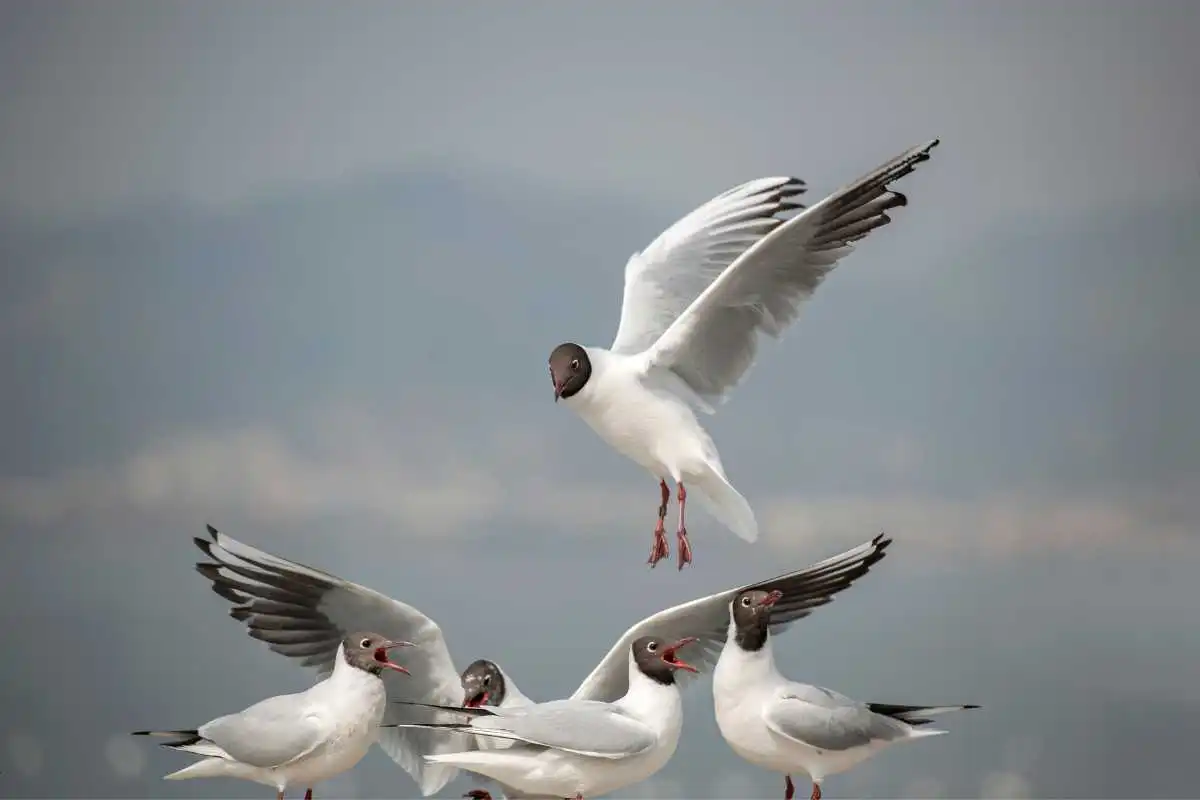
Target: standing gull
x=578, y=748
x=694, y=304
x=302, y=738
x=302, y=612
x=786, y=726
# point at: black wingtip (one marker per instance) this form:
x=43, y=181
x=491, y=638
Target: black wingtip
x=213, y=532
x=969, y=706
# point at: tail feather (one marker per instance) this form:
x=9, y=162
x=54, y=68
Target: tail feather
x=726, y=504
x=185, y=738
x=915, y=715
x=210, y=768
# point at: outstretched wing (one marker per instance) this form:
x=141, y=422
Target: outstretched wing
x=707, y=618
x=303, y=613
x=712, y=343
x=666, y=277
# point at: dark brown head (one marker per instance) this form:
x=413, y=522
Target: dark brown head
x=570, y=369
x=483, y=684
x=751, y=611
x=657, y=660
x=369, y=652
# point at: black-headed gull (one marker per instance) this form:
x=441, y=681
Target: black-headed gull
x=694, y=304
x=785, y=726
x=301, y=612
x=578, y=748
x=302, y=738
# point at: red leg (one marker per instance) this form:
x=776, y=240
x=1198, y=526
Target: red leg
x=816, y=793
x=681, y=537
x=308, y=793
x=791, y=788
x=479, y=794
x=279, y=796
x=660, y=549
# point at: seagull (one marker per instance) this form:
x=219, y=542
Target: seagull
x=302, y=612
x=573, y=748
x=302, y=738
x=694, y=303
x=786, y=726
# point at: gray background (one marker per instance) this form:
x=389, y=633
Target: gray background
x=294, y=269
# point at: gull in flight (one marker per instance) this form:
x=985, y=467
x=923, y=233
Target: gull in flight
x=695, y=301
x=302, y=738
x=785, y=726
x=302, y=613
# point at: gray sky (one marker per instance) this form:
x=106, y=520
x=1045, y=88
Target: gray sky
x=294, y=269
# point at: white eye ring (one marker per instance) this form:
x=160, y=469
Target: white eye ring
x=575, y=363
x=746, y=601
x=652, y=646
x=365, y=643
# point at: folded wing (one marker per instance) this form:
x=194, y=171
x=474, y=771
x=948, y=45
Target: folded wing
x=598, y=730
x=272, y=733
x=825, y=720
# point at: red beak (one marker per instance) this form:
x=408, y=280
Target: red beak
x=381, y=655
x=772, y=598
x=669, y=657
x=475, y=702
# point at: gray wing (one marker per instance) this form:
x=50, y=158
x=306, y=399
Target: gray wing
x=268, y=734
x=599, y=730
x=714, y=341
x=827, y=720
x=303, y=613
x=707, y=618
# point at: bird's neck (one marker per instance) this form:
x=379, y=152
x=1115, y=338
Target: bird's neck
x=648, y=699
x=346, y=675
x=747, y=664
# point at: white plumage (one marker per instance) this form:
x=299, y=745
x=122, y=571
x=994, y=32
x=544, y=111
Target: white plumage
x=694, y=304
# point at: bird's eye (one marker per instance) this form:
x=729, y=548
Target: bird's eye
x=652, y=646
x=746, y=601
x=575, y=364
x=487, y=680
x=365, y=643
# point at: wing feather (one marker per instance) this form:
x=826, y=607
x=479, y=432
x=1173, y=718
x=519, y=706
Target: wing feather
x=666, y=277
x=713, y=342
x=707, y=618
x=598, y=730
x=303, y=613
x=826, y=720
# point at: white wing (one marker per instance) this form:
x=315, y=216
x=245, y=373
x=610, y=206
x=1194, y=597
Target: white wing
x=707, y=618
x=268, y=734
x=664, y=279
x=827, y=720
x=599, y=730
x=712, y=343
x=304, y=613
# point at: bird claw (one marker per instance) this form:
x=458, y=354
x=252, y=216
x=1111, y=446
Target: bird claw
x=685, y=548
x=659, y=549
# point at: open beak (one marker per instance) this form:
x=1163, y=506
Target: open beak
x=475, y=700
x=772, y=598
x=382, y=657
x=670, y=658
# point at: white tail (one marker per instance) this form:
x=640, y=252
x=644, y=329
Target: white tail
x=725, y=503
